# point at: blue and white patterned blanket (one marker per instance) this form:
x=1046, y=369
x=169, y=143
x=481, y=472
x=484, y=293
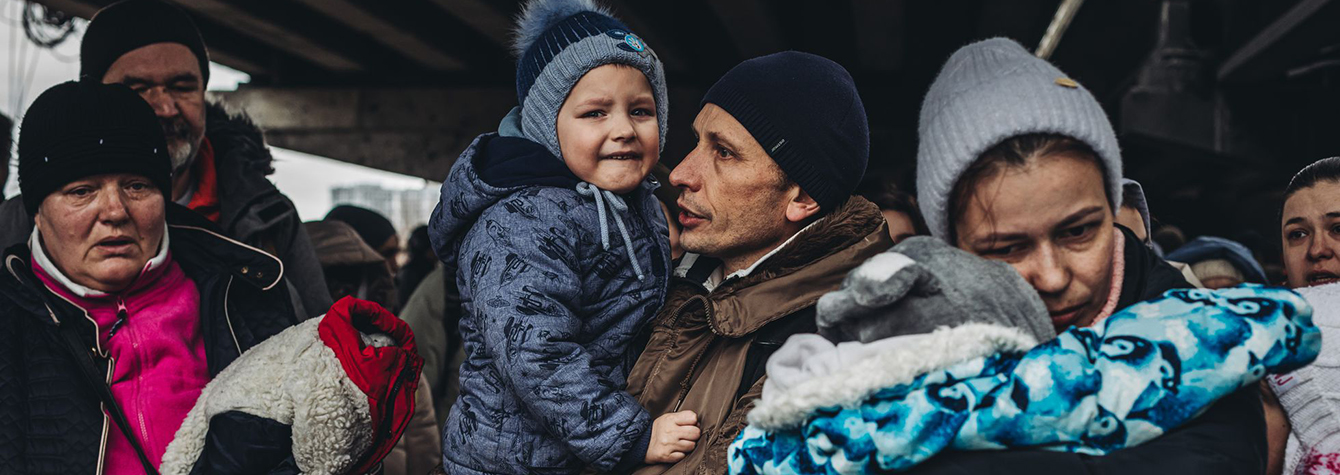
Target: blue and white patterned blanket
x=1141, y=372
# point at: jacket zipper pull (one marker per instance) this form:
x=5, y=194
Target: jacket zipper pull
x=121, y=314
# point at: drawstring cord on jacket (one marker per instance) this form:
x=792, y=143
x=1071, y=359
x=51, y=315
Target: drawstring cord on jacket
x=616, y=205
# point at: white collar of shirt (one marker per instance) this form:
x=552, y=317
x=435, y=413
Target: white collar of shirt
x=40, y=255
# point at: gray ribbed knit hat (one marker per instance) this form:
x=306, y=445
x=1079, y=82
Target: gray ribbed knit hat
x=988, y=92
x=558, y=42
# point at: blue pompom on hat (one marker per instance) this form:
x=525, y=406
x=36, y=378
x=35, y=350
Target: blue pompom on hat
x=558, y=42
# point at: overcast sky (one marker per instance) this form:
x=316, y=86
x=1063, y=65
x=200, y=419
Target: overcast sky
x=28, y=70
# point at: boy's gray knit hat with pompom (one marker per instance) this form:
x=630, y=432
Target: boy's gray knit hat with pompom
x=558, y=42
x=988, y=92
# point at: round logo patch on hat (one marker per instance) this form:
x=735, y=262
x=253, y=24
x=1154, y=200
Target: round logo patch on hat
x=631, y=42
x=634, y=42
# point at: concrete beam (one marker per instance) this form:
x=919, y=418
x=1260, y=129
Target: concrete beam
x=753, y=29
x=86, y=9
x=879, y=32
x=417, y=132
x=271, y=33
x=1295, y=36
x=482, y=17
x=237, y=62
x=387, y=33
x=671, y=55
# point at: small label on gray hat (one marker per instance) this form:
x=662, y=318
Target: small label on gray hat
x=631, y=42
x=634, y=42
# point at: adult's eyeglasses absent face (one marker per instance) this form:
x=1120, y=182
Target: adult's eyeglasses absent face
x=1310, y=233
x=1050, y=219
x=101, y=231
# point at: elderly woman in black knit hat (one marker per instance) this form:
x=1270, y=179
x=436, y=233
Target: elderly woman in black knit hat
x=122, y=305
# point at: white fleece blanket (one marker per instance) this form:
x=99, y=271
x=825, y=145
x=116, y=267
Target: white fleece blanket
x=810, y=372
x=1311, y=395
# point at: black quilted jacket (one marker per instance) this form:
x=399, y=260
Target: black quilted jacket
x=50, y=422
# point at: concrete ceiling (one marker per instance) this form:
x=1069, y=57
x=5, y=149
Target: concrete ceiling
x=403, y=85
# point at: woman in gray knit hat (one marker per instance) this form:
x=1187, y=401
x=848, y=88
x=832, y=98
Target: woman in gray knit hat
x=1017, y=162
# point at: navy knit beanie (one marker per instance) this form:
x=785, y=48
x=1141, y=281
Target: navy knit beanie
x=128, y=25
x=77, y=130
x=805, y=112
x=558, y=42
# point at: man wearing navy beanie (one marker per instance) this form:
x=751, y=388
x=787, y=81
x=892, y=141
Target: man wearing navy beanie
x=769, y=225
x=804, y=111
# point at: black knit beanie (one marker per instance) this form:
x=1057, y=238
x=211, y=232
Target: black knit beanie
x=805, y=112
x=81, y=129
x=374, y=228
x=128, y=25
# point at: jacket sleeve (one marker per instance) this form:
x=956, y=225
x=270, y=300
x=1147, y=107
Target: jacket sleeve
x=241, y=443
x=1145, y=372
x=1150, y=368
x=1229, y=439
x=303, y=270
x=424, y=314
x=13, y=404
x=1258, y=329
x=524, y=277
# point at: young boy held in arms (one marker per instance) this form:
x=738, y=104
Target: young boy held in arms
x=561, y=255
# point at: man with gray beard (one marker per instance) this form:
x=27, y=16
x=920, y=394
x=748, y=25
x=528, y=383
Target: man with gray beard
x=219, y=159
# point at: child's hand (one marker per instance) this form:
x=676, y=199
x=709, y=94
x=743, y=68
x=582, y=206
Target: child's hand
x=672, y=437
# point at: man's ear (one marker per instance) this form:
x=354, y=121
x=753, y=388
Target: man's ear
x=801, y=208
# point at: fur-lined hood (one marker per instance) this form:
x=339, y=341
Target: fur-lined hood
x=331, y=395
x=234, y=135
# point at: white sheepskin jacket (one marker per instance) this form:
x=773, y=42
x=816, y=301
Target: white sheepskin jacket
x=334, y=380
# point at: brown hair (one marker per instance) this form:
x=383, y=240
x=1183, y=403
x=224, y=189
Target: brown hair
x=1015, y=151
x=892, y=199
x=1324, y=170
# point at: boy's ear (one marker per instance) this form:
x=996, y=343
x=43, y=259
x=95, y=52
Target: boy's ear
x=801, y=208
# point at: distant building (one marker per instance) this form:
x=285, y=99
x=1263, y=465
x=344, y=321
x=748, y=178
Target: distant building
x=407, y=209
